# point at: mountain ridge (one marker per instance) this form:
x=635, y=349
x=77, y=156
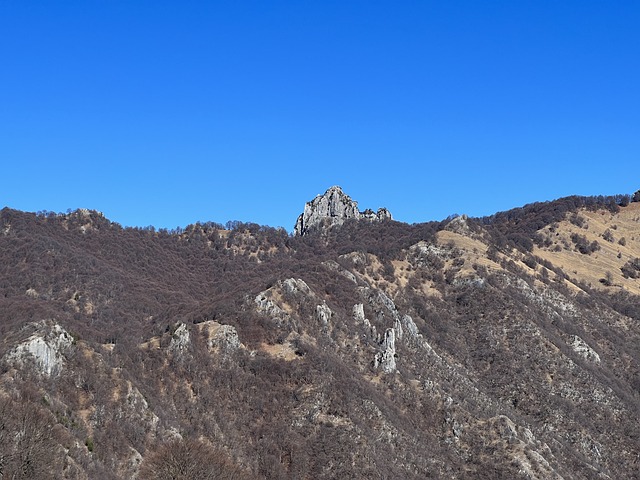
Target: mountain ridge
x=576, y=200
x=467, y=348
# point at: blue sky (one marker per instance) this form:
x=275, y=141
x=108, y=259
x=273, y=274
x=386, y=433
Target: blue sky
x=168, y=112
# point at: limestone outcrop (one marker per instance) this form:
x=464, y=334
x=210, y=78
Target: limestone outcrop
x=220, y=338
x=180, y=339
x=46, y=346
x=459, y=224
x=583, y=349
x=334, y=207
x=323, y=314
x=386, y=358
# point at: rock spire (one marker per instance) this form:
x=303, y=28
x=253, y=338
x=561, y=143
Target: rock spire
x=334, y=207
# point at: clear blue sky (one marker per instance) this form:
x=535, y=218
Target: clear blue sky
x=168, y=112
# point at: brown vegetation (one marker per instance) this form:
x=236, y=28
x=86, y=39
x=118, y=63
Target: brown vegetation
x=523, y=364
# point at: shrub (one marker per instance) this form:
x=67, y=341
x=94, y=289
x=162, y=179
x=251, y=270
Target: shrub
x=631, y=269
x=607, y=280
x=577, y=220
x=583, y=245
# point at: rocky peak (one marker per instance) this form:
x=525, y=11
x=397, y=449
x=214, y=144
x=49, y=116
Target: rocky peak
x=334, y=207
x=459, y=224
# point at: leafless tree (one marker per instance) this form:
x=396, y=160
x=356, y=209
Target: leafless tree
x=188, y=460
x=28, y=448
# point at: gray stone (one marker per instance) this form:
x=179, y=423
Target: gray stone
x=294, y=285
x=583, y=349
x=409, y=326
x=358, y=312
x=386, y=359
x=180, y=339
x=225, y=338
x=459, y=225
x=267, y=306
x=334, y=207
x=323, y=314
x=46, y=346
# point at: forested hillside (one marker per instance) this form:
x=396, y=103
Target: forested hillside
x=498, y=347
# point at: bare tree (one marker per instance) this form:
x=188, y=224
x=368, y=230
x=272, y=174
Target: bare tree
x=188, y=460
x=28, y=448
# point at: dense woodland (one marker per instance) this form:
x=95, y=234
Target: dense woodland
x=495, y=372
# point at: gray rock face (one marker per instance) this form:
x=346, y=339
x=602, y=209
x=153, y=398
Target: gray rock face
x=294, y=285
x=358, y=312
x=386, y=359
x=584, y=350
x=225, y=339
x=459, y=225
x=323, y=314
x=409, y=326
x=180, y=339
x=334, y=207
x=46, y=346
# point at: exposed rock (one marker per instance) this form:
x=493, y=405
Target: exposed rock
x=459, y=225
x=323, y=314
x=381, y=214
x=267, y=306
x=357, y=259
x=502, y=389
x=386, y=359
x=220, y=338
x=584, y=350
x=358, y=312
x=273, y=301
x=336, y=267
x=409, y=326
x=371, y=330
x=380, y=302
x=334, y=207
x=31, y=292
x=397, y=327
x=293, y=285
x=180, y=339
x=424, y=249
x=471, y=281
x=46, y=346
x=135, y=409
x=523, y=447
x=225, y=338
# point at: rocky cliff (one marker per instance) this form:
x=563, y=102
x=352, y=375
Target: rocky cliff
x=332, y=208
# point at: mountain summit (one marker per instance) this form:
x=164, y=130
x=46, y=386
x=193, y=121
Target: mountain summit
x=334, y=207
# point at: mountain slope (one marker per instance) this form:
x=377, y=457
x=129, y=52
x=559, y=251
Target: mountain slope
x=504, y=347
